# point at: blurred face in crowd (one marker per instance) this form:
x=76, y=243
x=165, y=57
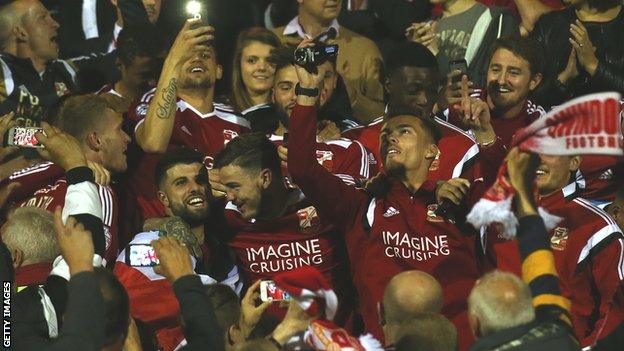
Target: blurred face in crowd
x=286, y=79
x=139, y=72
x=554, y=172
x=257, y=73
x=245, y=188
x=323, y=11
x=185, y=192
x=405, y=145
x=201, y=71
x=152, y=7
x=413, y=87
x=509, y=80
x=113, y=142
x=39, y=30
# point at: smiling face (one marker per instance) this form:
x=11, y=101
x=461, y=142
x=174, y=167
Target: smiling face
x=244, y=188
x=324, y=11
x=257, y=73
x=114, y=141
x=554, y=172
x=413, y=87
x=40, y=31
x=201, y=71
x=405, y=145
x=509, y=80
x=185, y=192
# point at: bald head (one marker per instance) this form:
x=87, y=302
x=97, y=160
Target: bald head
x=499, y=301
x=409, y=294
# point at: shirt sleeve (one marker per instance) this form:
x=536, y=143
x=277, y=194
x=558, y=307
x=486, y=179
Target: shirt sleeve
x=356, y=164
x=334, y=200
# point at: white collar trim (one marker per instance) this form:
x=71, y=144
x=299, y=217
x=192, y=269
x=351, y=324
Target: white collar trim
x=294, y=27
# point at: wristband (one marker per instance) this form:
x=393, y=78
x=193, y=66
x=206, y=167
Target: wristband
x=306, y=92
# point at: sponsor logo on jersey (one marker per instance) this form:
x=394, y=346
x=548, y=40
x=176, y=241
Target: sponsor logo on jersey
x=284, y=257
x=61, y=89
x=308, y=218
x=325, y=159
x=391, y=211
x=228, y=135
x=141, y=109
x=415, y=247
x=559, y=239
x=431, y=213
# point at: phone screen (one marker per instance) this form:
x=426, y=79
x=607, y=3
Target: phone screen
x=269, y=291
x=24, y=136
x=141, y=255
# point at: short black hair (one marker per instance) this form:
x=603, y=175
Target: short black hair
x=139, y=40
x=116, y=306
x=175, y=157
x=428, y=124
x=409, y=54
x=251, y=151
x=527, y=48
x=225, y=304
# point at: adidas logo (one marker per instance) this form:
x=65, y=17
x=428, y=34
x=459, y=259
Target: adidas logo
x=391, y=212
x=185, y=130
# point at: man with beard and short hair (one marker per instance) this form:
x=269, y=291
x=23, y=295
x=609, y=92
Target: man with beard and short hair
x=184, y=190
x=588, y=247
x=180, y=111
x=390, y=230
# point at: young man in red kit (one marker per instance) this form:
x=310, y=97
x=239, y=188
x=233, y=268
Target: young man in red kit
x=514, y=72
x=98, y=127
x=180, y=111
x=389, y=231
x=412, y=82
x=272, y=227
x=347, y=159
x=588, y=247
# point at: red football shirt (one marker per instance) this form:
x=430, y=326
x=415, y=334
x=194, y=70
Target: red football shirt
x=207, y=133
x=346, y=159
x=51, y=194
x=588, y=247
x=386, y=235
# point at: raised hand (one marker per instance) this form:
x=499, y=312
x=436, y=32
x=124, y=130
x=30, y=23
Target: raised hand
x=60, y=148
x=191, y=39
x=250, y=313
x=174, y=258
x=75, y=243
x=585, y=50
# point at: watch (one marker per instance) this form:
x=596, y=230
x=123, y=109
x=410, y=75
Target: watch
x=306, y=92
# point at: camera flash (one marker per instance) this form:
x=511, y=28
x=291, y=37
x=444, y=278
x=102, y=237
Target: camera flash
x=193, y=8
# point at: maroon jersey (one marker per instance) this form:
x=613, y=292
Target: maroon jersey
x=385, y=235
x=458, y=151
x=588, y=247
x=33, y=178
x=207, y=133
x=346, y=159
x=492, y=156
x=600, y=177
x=299, y=238
x=51, y=194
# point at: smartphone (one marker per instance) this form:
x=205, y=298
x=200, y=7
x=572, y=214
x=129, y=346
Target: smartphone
x=141, y=255
x=269, y=291
x=24, y=137
x=460, y=65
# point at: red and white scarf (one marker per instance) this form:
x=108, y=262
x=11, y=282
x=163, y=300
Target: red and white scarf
x=309, y=288
x=589, y=124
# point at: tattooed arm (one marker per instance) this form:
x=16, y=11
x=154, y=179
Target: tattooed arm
x=154, y=132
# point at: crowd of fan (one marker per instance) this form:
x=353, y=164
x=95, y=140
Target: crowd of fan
x=203, y=138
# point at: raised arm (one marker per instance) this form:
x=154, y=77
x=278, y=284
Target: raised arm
x=538, y=262
x=333, y=199
x=154, y=133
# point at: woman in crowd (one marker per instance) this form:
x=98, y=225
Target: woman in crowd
x=252, y=76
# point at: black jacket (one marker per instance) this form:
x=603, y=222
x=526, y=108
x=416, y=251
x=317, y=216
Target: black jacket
x=552, y=31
